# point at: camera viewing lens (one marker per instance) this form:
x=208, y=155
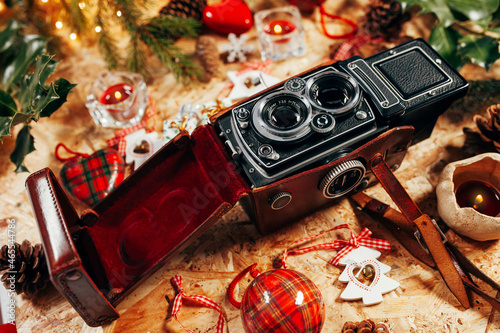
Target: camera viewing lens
x=333, y=92
x=284, y=117
x=331, y=97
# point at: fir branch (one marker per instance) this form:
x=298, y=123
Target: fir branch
x=170, y=55
x=136, y=61
x=171, y=27
x=107, y=43
x=74, y=15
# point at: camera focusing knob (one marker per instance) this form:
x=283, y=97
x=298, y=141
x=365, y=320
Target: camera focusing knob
x=323, y=123
x=295, y=84
x=342, y=178
x=280, y=200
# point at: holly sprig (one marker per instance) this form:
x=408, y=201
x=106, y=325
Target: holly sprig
x=465, y=30
x=18, y=54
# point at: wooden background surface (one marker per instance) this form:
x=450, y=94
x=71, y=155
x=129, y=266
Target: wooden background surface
x=421, y=304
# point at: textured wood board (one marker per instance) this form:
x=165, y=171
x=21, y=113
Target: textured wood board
x=421, y=304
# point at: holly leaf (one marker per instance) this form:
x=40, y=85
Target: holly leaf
x=24, y=146
x=62, y=88
x=445, y=42
x=482, y=51
x=35, y=96
x=9, y=35
x=474, y=10
x=30, y=48
x=438, y=7
x=8, y=106
x=4, y=127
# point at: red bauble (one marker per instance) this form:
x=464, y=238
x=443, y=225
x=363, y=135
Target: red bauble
x=91, y=178
x=282, y=301
x=228, y=16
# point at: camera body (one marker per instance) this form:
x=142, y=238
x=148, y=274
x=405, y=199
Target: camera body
x=320, y=119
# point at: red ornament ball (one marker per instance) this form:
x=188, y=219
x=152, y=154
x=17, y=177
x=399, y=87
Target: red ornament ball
x=282, y=301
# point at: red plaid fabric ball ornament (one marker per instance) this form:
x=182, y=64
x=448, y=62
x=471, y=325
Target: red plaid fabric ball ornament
x=91, y=178
x=279, y=301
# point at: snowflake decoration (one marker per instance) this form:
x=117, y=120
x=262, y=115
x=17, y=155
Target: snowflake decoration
x=237, y=48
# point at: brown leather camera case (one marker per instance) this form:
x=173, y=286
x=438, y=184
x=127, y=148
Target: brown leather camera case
x=96, y=259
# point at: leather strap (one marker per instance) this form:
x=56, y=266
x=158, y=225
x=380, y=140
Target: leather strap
x=423, y=223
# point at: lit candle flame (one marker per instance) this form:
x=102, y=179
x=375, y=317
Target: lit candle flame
x=118, y=95
x=277, y=29
x=479, y=199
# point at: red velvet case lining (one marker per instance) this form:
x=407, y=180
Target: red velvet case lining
x=170, y=202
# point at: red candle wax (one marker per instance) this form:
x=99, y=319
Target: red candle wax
x=479, y=195
x=279, y=27
x=116, y=94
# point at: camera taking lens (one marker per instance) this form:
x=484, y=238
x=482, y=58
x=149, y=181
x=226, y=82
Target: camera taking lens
x=282, y=117
x=333, y=92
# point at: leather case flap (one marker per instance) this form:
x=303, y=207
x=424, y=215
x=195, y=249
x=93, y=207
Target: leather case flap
x=55, y=215
x=150, y=217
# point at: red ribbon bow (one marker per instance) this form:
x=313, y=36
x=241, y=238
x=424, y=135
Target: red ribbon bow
x=203, y=300
x=363, y=239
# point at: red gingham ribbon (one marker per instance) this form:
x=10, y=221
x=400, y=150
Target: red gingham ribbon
x=203, y=300
x=363, y=239
x=119, y=138
x=346, y=50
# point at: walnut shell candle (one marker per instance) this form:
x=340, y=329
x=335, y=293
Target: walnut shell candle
x=470, y=221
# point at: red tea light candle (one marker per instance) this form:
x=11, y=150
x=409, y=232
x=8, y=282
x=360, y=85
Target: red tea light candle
x=479, y=195
x=280, y=28
x=116, y=94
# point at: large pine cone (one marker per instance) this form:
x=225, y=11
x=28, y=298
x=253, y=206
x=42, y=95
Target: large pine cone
x=184, y=8
x=488, y=138
x=383, y=19
x=24, y=266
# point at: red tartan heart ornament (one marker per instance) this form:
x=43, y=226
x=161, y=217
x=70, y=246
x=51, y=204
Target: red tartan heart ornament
x=228, y=16
x=282, y=301
x=91, y=178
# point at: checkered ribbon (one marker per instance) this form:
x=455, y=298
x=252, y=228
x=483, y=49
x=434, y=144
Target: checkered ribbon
x=346, y=50
x=119, y=138
x=203, y=300
x=363, y=239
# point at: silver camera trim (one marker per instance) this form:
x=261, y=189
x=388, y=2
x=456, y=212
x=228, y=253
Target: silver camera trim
x=274, y=134
x=349, y=107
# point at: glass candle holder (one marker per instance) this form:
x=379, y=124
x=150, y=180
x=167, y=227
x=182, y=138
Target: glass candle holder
x=280, y=32
x=117, y=99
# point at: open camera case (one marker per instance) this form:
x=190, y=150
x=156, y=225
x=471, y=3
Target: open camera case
x=97, y=258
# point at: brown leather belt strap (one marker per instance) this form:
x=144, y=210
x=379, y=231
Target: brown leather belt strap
x=426, y=227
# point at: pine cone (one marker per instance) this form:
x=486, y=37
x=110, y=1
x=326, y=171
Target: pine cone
x=184, y=8
x=383, y=18
x=207, y=52
x=365, y=326
x=29, y=266
x=488, y=138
